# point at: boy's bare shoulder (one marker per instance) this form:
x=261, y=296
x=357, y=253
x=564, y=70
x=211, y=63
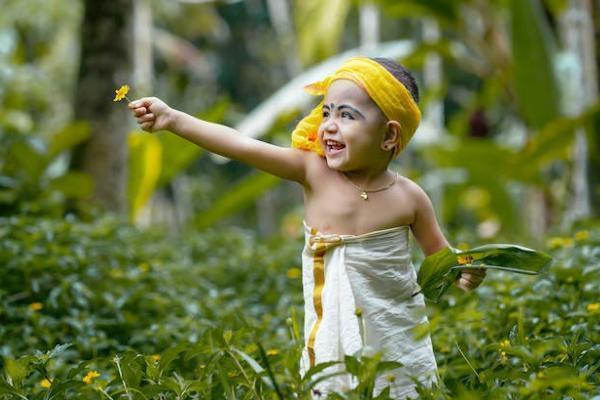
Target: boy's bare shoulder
x=415, y=193
x=316, y=167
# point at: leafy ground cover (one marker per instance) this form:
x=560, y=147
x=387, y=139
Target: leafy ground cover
x=102, y=310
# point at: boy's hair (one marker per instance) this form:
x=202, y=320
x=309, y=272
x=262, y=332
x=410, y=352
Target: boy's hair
x=400, y=73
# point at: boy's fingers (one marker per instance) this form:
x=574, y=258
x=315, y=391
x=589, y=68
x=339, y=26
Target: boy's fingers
x=139, y=111
x=147, y=126
x=143, y=102
x=146, y=118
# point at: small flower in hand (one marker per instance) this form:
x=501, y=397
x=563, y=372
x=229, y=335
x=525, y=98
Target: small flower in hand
x=121, y=93
x=470, y=279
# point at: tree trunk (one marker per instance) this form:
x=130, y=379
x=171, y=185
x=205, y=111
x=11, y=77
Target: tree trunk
x=577, y=31
x=369, y=26
x=104, y=66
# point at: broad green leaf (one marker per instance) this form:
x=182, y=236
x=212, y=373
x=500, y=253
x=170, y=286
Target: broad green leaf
x=553, y=142
x=26, y=161
x=260, y=371
x=76, y=185
x=17, y=370
x=444, y=11
x=318, y=368
x=441, y=269
x=240, y=196
x=487, y=166
x=177, y=155
x=320, y=25
x=67, y=138
x=532, y=46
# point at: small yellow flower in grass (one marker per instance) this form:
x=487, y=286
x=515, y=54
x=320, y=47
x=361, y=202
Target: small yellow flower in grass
x=503, y=357
x=272, y=352
x=90, y=376
x=121, y=93
x=155, y=357
x=593, y=307
x=294, y=273
x=505, y=343
x=35, y=306
x=46, y=383
x=559, y=242
x=464, y=259
x=581, y=236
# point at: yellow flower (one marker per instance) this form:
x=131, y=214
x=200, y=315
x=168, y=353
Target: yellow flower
x=272, y=352
x=155, y=357
x=294, y=273
x=46, y=383
x=503, y=357
x=505, y=343
x=593, y=307
x=581, y=236
x=90, y=376
x=464, y=259
x=558, y=242
x=121, y=93
x=35, y=306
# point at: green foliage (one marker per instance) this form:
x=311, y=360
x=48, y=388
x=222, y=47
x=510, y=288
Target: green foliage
x=206, y=316
x=28, y=178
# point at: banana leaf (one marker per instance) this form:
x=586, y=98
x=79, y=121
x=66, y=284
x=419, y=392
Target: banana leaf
x=441, y=269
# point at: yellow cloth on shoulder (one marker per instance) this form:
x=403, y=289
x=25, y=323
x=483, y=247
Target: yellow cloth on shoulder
x=390, y=95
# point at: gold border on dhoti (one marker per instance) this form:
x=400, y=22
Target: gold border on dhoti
x=319, y=279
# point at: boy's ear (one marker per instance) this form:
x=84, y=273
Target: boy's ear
x=392, y=136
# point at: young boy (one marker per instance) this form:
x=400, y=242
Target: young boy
x=357, y=275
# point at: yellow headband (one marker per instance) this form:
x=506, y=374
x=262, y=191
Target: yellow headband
x=392, y=98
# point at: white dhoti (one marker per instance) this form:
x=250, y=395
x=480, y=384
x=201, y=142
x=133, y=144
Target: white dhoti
x=373, y=273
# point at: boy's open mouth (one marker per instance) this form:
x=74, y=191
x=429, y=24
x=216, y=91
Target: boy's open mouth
x=333, y=146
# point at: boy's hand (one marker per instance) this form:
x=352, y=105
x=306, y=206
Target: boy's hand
x=152, y=114
x=469, y=280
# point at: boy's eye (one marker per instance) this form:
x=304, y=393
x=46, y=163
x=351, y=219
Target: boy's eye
x=346, y=114
x=325, y=114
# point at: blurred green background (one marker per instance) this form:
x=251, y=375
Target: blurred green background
x=116, y=240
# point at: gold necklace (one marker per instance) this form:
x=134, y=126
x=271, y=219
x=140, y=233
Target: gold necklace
x=364, y=192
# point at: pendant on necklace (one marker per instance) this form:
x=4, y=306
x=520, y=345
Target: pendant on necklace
x=364, y=195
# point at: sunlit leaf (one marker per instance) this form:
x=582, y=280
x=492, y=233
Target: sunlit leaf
x=532, y=46
x=145, y=164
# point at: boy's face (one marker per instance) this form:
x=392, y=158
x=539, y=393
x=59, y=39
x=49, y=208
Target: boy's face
x=353, y=127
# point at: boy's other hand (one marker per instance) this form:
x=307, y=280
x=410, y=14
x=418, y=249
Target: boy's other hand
x=469, y=280
x=152, y=114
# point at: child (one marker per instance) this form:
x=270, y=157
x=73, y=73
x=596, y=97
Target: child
x=357, y=275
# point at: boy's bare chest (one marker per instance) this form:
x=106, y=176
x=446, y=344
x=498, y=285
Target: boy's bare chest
x=339, y=208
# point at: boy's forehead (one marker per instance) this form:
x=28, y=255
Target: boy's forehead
x=345, y=91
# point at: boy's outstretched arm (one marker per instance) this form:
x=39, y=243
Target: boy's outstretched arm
x=431, y=239
x=153, y=115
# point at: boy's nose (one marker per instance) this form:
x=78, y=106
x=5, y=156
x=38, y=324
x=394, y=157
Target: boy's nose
x=330, y=126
